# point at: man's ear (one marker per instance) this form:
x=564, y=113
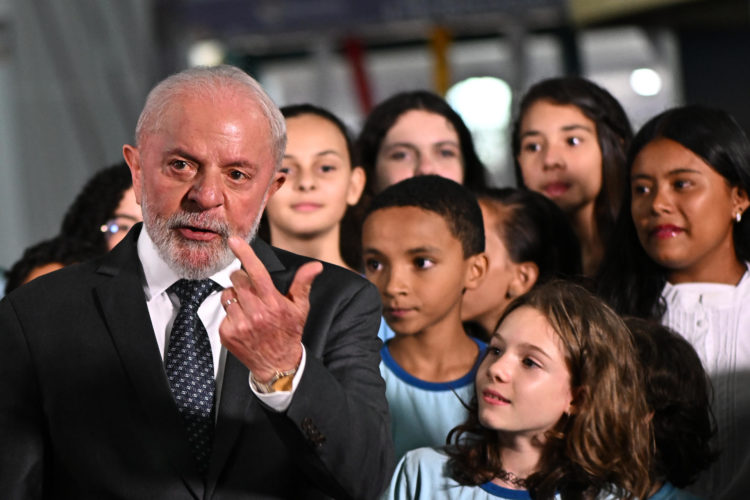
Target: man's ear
x=356, y=185
x=133, y=159
x=525, y=275
x=476, y=270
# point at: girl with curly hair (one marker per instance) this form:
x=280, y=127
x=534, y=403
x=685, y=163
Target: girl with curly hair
x=559, y=410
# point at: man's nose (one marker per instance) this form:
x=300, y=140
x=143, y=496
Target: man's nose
x=206, y=191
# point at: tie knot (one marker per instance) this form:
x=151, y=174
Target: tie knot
x=193, y=292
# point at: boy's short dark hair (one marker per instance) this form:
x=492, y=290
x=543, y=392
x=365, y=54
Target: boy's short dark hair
x=678, y=394
x=451, y=201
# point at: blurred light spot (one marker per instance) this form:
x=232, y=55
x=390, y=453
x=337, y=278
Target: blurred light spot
x=482, y=102
x=645, y=81
x=206, y=53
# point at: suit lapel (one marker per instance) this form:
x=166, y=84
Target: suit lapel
x=124, y=309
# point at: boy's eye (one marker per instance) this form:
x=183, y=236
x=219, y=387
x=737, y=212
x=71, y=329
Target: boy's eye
x=423, y=263
x=373, y=265
x=285, y=170
x=327, y=168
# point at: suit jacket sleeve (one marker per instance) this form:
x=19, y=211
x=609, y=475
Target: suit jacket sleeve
x=339, y=406
x=21, y=434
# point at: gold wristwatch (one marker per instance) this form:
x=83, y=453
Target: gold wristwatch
x=281, y=381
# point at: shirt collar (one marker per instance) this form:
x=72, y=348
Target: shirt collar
x=159, y=276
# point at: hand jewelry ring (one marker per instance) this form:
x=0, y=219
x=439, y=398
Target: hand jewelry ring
x=229, y=302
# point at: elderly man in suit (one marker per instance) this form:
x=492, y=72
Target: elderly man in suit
x=194, y=361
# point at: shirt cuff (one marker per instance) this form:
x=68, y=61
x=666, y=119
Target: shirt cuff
x=280, y=400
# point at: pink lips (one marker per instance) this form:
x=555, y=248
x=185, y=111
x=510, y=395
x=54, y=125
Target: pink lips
x=556, y=189
x=306, y=207
x=396, y=312
x=494, y=398
x=666, y=231
x=194, y=233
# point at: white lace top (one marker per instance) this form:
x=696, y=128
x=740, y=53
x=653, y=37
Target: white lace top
x=715, y=319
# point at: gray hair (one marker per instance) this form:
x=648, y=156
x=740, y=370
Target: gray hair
x=208, y=80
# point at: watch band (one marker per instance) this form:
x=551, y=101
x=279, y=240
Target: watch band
x=281, y=381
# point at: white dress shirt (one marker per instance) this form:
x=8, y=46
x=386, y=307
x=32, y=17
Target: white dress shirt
x=163, y=308
x=715, y=319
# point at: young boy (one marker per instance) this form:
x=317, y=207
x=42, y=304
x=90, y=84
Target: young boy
x=423, y=246
x=678, y=394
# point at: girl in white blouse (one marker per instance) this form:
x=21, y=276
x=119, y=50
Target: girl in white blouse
x=681, y=255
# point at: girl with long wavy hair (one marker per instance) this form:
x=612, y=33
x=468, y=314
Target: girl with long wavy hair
x=559, y=411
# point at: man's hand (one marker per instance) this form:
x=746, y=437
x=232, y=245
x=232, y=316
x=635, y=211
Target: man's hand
x=263, y=328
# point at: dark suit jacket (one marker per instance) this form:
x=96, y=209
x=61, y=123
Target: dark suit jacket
x=86, y=411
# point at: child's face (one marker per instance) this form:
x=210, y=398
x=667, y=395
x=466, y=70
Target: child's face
x=523, y=384
x=560, y=155
x=418, y=266
x=683, y=211
x=320, y=181
x=486, y=303
x=419, y=143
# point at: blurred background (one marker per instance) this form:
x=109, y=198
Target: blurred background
x=74, y=73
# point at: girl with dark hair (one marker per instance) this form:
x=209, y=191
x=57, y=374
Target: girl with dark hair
x=680, y=255
x=417, y=133
x=104, y=210
x=528, y=241
x=307, y=214
x=559, y=411
x=569, y=143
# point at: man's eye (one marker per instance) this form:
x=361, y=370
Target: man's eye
x=179, y=164
x=237, y=175
x=327, y=168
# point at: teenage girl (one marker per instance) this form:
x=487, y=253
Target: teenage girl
x=417, y=133
x=528, y=240
x=306, y=215
x=559, y=411
x=680, y=255
x=569, y=143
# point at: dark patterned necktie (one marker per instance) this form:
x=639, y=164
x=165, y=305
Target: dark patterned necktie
x=190, y=367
